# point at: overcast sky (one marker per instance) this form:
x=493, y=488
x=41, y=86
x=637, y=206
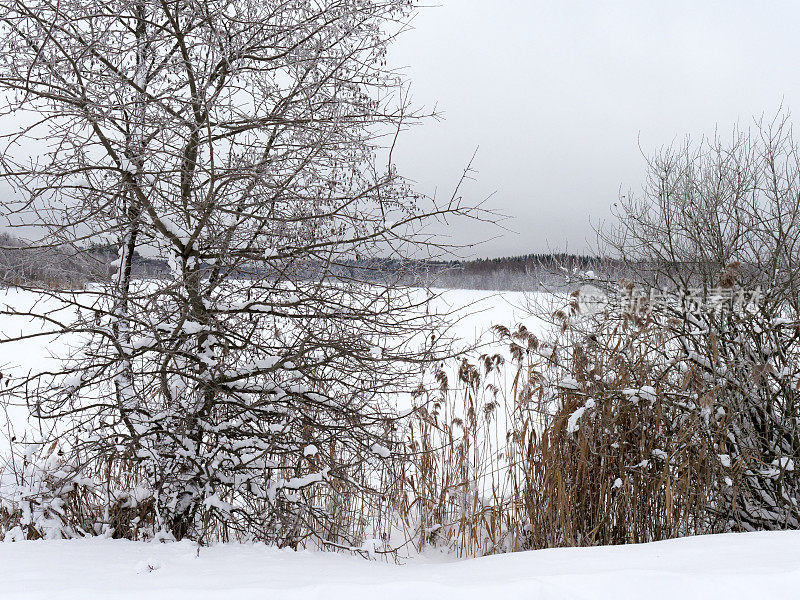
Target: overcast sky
x=560, y=94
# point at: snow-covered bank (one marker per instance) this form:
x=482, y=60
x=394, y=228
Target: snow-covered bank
x=753, y=565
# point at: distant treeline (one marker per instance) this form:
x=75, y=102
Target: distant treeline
x=529, y=272
x=58, y=266
x=23, y=264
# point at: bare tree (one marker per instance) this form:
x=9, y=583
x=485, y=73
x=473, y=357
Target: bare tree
x=242, y=141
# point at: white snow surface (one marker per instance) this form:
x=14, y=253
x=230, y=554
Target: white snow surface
x=474, y=311
x=730, y=566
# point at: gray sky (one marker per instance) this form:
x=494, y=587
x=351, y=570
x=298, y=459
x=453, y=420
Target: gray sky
x=559, y=94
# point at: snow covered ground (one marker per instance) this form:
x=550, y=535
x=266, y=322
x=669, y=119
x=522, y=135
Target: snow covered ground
x=474, y=312
x=731, y=566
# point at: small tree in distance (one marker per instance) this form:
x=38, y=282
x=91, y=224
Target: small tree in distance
x=238, y=139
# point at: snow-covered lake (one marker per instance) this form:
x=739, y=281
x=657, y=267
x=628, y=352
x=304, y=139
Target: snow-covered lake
x=474, y=312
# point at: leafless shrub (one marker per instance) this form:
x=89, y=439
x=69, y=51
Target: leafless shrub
x=721, y=218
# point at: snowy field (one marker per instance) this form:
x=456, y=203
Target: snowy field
x=731, y=566
x=473, y=312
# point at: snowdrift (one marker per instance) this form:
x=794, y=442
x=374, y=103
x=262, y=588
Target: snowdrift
x=730, y=566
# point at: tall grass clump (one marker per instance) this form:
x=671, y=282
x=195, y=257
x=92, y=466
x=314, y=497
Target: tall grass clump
x=625, y=452
x=627, y=423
